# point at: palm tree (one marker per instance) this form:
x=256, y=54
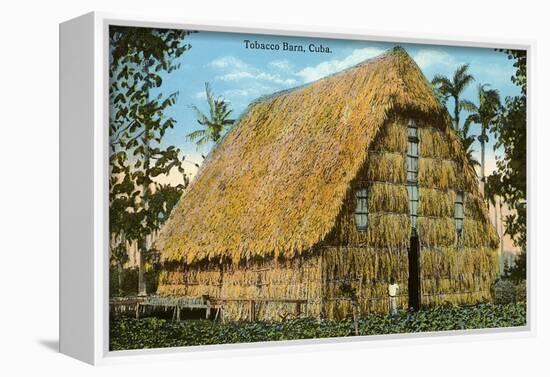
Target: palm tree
x=215, y=124
x=467, y=142
x=485, y=115
x=445, y=88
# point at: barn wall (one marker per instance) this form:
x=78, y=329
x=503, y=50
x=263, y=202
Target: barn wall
x=457, y=276
x=453, y=271
x=450, y=273
x=271, y=284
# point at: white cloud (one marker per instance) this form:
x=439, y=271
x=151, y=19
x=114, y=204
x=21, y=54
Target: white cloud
x=309, y=74
x=251, y=91
x=275, y=78
x=235, y=69
x=228, y=62
x=236, y=93
x=235, y=76
x=428, y=57
x=283, y=65
x=262, y=76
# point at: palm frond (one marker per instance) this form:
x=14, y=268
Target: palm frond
x=443, y=84
x=216, y=123
x=472, y=119
x=195, y=135
x=461, y=79
x=202, y=119
x=467, y=105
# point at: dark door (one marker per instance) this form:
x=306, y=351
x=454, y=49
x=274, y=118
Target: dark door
x=414, y=273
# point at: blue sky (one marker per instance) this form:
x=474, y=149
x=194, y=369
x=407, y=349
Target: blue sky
x=241, y=75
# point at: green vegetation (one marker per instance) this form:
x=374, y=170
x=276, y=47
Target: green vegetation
x=468, y=142
x=507, y=291
x=446, y=88
x=129, y=333
x=507, y=122
x=485, y=114
x=138, y=204
x=216, y=123
x=510, y=178
x=124, y=282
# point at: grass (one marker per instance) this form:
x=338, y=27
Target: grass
x=129, y=333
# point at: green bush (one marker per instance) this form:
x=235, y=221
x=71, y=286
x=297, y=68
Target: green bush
x=521, y=291
x=129, y=333
x=504, y=292
x=129, y=284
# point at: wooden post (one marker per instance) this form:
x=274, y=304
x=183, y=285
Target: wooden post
x=252, y=311
x=178, y=313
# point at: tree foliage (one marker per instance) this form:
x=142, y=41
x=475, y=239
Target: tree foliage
x=446, y=88
x=510, y=178
x=468, y=143
x=485, y=114
x=216, y=123
x=518, y=271
x=138, y=204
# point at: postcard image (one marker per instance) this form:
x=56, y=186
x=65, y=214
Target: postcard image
x=268, y=188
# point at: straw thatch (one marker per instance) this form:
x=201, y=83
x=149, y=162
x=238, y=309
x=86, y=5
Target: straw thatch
x=367, y=270
x=285, y=282
x=453, y=276
x=276, y=184
x=271, y=214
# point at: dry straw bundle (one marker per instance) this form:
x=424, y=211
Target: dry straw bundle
x=367, y=270
x=433, y=144
x=392, y=138
x=436, y=203
x=458, y=276
x=386, y=167
x=388, y=198
x=436, y=173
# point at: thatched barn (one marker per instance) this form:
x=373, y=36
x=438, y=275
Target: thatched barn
x=332, y=188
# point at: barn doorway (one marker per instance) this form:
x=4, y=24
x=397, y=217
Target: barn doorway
x=414, y=272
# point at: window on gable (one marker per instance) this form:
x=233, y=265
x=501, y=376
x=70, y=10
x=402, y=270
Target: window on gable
x=412, y=152
x=459, y=217
x=361, y=210
x=412, y=170
x=413, y=204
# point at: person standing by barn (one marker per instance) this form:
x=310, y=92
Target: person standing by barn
x=393, y=289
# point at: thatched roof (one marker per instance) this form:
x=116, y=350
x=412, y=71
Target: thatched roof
x=276, y=184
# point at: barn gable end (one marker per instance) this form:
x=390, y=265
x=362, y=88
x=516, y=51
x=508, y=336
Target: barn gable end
x=454, y=267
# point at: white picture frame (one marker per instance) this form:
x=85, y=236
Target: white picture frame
x=84, y=254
